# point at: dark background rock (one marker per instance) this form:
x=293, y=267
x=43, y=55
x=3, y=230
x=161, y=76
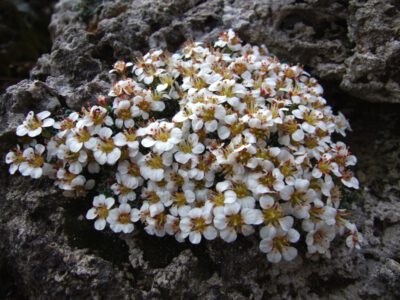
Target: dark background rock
x=48, y=250
x=23, y=37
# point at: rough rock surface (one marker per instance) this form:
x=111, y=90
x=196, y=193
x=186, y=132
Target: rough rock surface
x=48, y=251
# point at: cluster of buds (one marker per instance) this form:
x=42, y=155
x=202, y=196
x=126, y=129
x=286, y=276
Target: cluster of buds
x=210, y=142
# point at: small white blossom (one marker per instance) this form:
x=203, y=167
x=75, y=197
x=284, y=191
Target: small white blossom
x=121, y=219
x=33, y=124
x=100, y=210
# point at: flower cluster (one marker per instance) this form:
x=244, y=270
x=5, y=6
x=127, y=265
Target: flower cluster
x=209, y=142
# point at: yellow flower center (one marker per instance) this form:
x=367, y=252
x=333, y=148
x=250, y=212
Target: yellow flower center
x=162, y=135
x=237, y=128
x=124, y=218
x=208, y=114
x=267, y=180
x=161, y=219
x=324, y=167
x=98, y=117
x=198, y=83
x=239, y=68
x=83, y=135
x=124, y=190
x=199, y=224
x=235, y=221
x=186, y=147
x=134, y=170
x=298, y=198
x=244, y=156
x=180, y=199
x=124, y=114
x=289, y=127
x=310, y=142
x=34, y=123
x=310, y=118
x=287, y=169
x=71, y=156
x=37, y=161
x=102, y=211
x=273, y=214
x=107, y=146
x=155, y=162
x=218, y=199
x=280, y=242
x=156, y=96
x=144, y=106
x=153, y=197
x=241, y=190
x=227, y=91
x=66, y=124
x=315, y=213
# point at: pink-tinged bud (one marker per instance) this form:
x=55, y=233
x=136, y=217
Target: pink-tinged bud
x=102, y=101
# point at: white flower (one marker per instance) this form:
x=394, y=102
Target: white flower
x=147, y=69
x=231, y=219
x=95, y=118
x=341, y=124
x=229, y=39
x=325, y=166
x=318, y=214
x=124, y=113
x=100, y=211
x=124, y=188
x=229, y=91
x=106, y=150
x=160, y=136
x=146, y=105
x=236, y=191
x=189, y=149
x=207, y=115
x=278, y=246
x=152, y=166
x=156, y=225
x=354, y=240
x=198, y=223
x=349, y=180
x=319, y=239
x=33, y=124
x=172, y=228
x=75, y=160
x=181, y=203
x=34, y=164
x=78, y=186
x=14, y=158
x=120, y=67
x=158, y=198
x=312, y=118
x=268, y=181
x=66, y=125
x=129, y=171
x=141, y=214
x=274, y=217
x=121, y=218
x=79, y=138
x=124, y=87
x=300, y=197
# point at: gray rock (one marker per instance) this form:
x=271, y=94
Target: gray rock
x=49, y=251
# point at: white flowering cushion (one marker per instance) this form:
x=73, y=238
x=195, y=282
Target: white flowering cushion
x=209, y=142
